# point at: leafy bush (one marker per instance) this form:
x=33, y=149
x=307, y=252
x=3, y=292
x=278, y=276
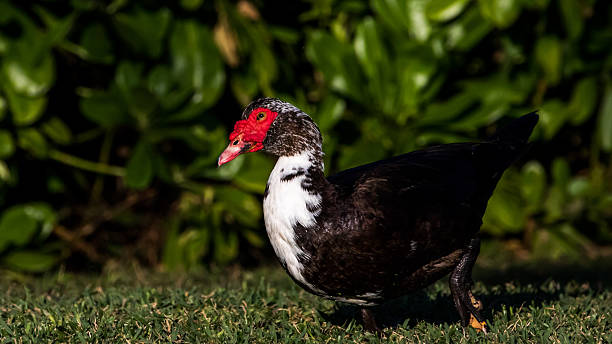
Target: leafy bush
x=108, y=109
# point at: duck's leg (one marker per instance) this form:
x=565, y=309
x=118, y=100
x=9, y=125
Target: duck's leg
x=460, y=284
x=367, y=318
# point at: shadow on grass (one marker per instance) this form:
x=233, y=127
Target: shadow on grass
x=523, y=285
x=596, y=273
x=414, y=308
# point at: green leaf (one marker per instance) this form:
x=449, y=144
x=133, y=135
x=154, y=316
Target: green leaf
x=225, y=172
x=391, y=12
x=496, y=90
x=194, y=244
x=420, y=27
x=55, y=185
x=5, y=173
x=7, y=146
x=253, y=176
x=505, y=212
x=195, y=58
x=443, y=112
x=285, y=34
x=162, y=169
x=30, y=261
x=44, y=214
x=140, y=103
x=369, y=48
x=171, y=256
x=443, y=10
x=561, y=172
x=433, y=137
x=571, y=12
x=329, y=112
x=413, y=75
x=16, y=227
x=84, y=5
x=57, y=130
x=469, y=29
x=19, y=223
x=605, y=120
x=244, y=86
x=105, y=109
x=143, y=30
x=97, y=45
x=139, y=169
x=533, y=184
x=359, y=153
x=404, y=17
x=8, y=13
x=4, y=44
x=243, y=206
x=553, y=114
x=264, y=65
x=191, y=5
x=32, y=141
x=584, y=100
x=2, y=107
x=579, y=187
x=556, y=200
x=555, y=203
x=484, y=115
x=538, y=4
x=57, y=28
x=26, y=110
x=501, y=13
x=159, y=81
x=561, y=241
x=197, y=66
x=337, y=63
x=128, y=76
x=226, y=246
x=253, y=238
x=197, y=137
x=29, y=79
x=371, y=54
x=548, y=55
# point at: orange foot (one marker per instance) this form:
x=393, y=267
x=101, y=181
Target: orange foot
x=477, y=325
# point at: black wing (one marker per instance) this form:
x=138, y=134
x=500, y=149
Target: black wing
x=455, y=176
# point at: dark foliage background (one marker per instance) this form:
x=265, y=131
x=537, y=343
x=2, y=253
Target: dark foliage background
x=112, y=115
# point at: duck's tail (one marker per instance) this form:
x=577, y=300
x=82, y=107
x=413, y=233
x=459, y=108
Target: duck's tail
x=518, y=131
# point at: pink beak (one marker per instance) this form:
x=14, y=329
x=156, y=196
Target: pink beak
x=232, y=151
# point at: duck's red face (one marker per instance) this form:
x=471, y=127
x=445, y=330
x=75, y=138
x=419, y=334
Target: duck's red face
x=248, y=134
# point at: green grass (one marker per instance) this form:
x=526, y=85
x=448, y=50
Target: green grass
x=523, y=304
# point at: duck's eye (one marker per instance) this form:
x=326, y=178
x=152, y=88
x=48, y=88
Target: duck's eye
x=235, y=142
x=261, y=115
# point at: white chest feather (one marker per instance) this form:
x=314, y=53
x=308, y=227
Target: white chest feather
x=286, y=205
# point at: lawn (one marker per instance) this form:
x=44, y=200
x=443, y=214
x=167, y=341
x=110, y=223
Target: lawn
x=529, y=303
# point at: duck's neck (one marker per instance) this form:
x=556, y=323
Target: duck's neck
x=293, y=199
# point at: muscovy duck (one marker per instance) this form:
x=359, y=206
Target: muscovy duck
x=381, y=230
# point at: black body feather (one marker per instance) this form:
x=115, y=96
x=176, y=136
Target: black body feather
x=396, y=225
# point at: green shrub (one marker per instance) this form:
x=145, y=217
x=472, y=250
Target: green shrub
x=102, y=103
